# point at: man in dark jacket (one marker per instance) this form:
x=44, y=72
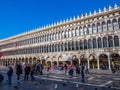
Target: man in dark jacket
x=10, y=73
x=18, y=71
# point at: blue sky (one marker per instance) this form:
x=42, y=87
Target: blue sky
x=18, y=16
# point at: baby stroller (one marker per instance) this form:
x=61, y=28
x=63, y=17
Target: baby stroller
x=1, y=78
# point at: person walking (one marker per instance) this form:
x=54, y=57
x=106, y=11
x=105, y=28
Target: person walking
x=27, y=71
x=82, y=74
x=18, y=72
x=32, y=72
x=10, y=73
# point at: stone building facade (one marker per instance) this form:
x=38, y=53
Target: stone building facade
x=92, y=39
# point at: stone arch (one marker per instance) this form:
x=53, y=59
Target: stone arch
x=94, y=42
x=43, y=60
x=109, y=25
x=54, y=61
x=34, y=59
x=110, y=41
x=85, y=44
x=89, y=29
x=94, y=29
x=104, y=42
x=75, y=60
x=116, y=41
x=48, y=61
x=23, y=60
x=17, y=60
x=60, y=60
x=93, y=61
x=30, y=60
x=26, y=61
x=115, y=24
x=83, y=59
x=89, y=43
x=20, y=59
x=115, y=60
x=85, y=30
x=99, y=42
x=103, y=60
x=98, y=27
x=104, y=26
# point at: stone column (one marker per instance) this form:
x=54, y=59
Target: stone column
x=71, y=62
x=57, y=63
x=113, y=41
x=88, y=62
x=79, y=61
x=102, y=41
x=97, y=42
x=67, y=45
x=109, y=62
x=98, y=63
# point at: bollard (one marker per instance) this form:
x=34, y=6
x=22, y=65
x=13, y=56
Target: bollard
x=109, y=87
x=96, y=89
x=15, y=87
x=55, y=86
x=103, y=88
x=64, y=83
x=113, y=84
x=79, y=87
x=41, y=83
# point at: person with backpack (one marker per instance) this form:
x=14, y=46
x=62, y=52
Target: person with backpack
x=10, y=73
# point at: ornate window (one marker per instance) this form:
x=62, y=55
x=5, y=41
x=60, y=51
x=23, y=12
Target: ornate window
x=73, y=47
x=67, y=34
x=70, y=34
x=116, y=41
x=89, y=29
x=119, y=22
x=62, y=47
x=66, y=47
x=77, y=45
x=69, y=46
x=99, y=27
x=53, y=48
x=104, y=26
x=73, y=32
x=104, y=42
x=81, y=31
x=94, y=43
x=99, y=43
x=85, y=30
x=58, y=47
x=77, y=32
x=81, y=44
x=115, y=24
x=89, y=43
x=94, y=28
x=51, y=37
x=110, y=41
x=54, y=36
x=57, y=35
x=85, y=44
x=109, y=25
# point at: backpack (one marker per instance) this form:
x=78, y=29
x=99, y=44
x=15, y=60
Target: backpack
x=1, y=78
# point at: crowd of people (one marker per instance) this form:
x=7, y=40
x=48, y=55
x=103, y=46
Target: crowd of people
x=29, y=70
